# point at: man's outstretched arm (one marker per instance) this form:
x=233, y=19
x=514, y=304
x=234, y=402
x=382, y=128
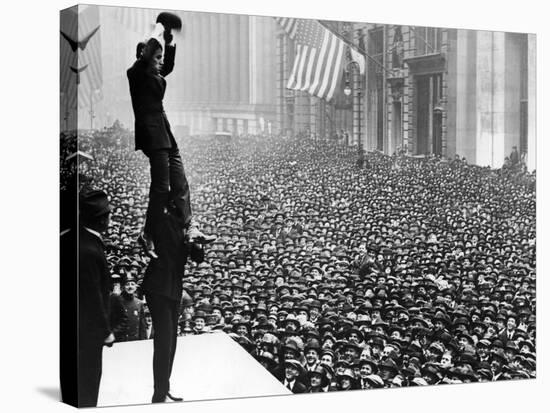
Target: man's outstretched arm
x=169, y=54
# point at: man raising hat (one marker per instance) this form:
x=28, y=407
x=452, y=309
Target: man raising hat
x=154, y=137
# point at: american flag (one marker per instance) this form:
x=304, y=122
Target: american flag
x=319, y=57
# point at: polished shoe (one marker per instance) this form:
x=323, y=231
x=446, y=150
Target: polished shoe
x=168, y=398
x=147, y=245
x=195, y=236
x=174, y=398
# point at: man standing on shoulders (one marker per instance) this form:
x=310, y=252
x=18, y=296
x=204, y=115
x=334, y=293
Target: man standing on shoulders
x=153, y=136
x=94, y=285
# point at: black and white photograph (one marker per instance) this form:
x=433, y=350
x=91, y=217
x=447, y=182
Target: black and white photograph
x=273, y=205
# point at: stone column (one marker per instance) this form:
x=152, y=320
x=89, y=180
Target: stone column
x=490, y=102
x=233, y=58
x=225, y=58
x=215, y=59
x=244, y=62
x=499, y=99
x=512, y=92
x=465, y=92
x=210, y=44
x=202, y=42
x=531, y=102
x=194, y=57
x=183, y=47
x=252, y=56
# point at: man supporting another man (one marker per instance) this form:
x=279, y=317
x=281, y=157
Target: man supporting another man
x=163, y=288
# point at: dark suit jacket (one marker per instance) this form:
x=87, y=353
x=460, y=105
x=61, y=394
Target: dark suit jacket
x=152, y=130
x=93, y=290
x=503, y=336
x=163, y=275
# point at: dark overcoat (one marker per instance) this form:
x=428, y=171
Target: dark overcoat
x=163, y=275
x=94, y=286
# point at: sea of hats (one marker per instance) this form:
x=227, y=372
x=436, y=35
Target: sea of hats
x=407, y=271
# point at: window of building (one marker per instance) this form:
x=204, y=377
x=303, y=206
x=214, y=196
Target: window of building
x=427, y=40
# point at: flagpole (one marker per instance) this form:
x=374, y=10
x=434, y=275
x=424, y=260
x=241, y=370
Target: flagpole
x=353, y=46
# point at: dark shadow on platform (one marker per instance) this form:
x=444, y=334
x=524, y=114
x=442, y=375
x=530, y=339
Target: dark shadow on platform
x=50, y=392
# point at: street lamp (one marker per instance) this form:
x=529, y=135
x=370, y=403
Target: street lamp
x=347, y=89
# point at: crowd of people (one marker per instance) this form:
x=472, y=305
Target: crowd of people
x=395, y=272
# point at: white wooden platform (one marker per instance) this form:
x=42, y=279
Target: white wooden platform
x=206, y=367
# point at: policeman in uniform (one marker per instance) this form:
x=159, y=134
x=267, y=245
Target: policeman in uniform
x=134, y=308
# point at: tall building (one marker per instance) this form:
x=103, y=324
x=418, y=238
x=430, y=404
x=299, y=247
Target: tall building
x=428, y=91
x=224, y=76
x=425, y=90
x=227, y=73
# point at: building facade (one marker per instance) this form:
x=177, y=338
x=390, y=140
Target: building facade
x=224, y=75
x=227, y=75
x=426, y=91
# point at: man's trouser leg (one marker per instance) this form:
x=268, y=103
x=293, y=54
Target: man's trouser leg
x=175, y=316
x=159, y=191
x=89, y=373
x=164, y=314
x=168, y=180
x=179, y=187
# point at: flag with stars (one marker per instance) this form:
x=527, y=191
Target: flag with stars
x=319, y=57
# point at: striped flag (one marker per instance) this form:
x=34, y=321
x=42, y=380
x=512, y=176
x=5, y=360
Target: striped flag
x=319, y=57
x=289, y=25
